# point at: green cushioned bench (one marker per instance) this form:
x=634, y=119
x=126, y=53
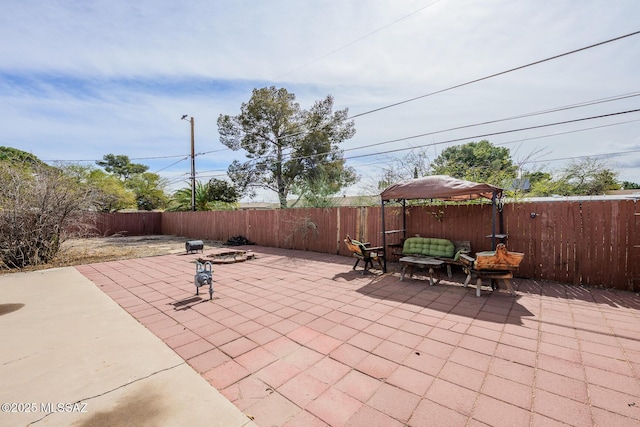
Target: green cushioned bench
x=442, y=249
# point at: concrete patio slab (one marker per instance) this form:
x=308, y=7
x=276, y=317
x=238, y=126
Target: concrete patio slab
x=71, y=356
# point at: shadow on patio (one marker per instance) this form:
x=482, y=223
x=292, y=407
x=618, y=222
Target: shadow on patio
x=449, y=297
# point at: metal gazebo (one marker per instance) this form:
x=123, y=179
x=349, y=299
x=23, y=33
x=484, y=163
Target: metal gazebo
x=441, y=187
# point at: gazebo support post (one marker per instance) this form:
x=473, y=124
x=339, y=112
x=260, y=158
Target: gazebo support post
x=384, y=241
x=404, y=219
x=384, y=232
x=494, y=208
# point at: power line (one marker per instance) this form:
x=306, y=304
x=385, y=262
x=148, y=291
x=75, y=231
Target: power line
x=472, y=137
x=99, y=160
x=537, y=113
x=614, y=154
x=525, y=115
x=556, y=109
x=550, y=135
x=174, y=163
x=587, y=156
x=520, y=116
x=551, y=110
x=496, y=74
x=377, y=30
x=567, y=132
x=214, y=151
x=213, y=170
x=541, y=112
x=182, y=178
x=500, y=133
x=158, y=157
x=223, y=173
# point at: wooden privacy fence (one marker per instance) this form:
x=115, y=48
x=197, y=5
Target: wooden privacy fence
x=594, y=243
x=129, y=223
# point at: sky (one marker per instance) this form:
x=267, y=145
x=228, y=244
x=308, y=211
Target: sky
x=82, y=79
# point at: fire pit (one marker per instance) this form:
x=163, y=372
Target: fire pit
x=227, y=256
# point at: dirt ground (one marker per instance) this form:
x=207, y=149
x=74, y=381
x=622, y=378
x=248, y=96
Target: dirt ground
x=100, y=249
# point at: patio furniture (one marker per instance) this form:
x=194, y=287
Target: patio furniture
x=445, y=250
x=500, y=259
x=460, y=247
x=194, y=245
x=362, y=251
x=441, y=187
x=431, y=264
x=505, y=276
x=495, y=265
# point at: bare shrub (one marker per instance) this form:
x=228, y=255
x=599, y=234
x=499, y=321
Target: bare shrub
x=40, y=207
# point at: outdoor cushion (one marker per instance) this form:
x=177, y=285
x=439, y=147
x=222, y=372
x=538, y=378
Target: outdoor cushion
x=428, y=246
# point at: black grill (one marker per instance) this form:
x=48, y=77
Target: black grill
x=194, y=245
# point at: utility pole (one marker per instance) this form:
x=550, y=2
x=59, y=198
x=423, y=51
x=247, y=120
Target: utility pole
x=193, y=165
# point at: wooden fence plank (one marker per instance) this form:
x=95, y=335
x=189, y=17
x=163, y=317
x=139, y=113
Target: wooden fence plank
x=623, y=246
x=603, y=243
x=583, y=258
x=594, y=243
x=576, y=242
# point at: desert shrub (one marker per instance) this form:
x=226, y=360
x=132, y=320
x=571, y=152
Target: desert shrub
x=40, y=207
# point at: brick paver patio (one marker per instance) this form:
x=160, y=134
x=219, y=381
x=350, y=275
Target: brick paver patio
x=299, y=339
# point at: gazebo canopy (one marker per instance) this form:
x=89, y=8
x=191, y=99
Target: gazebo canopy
x=439, y=187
